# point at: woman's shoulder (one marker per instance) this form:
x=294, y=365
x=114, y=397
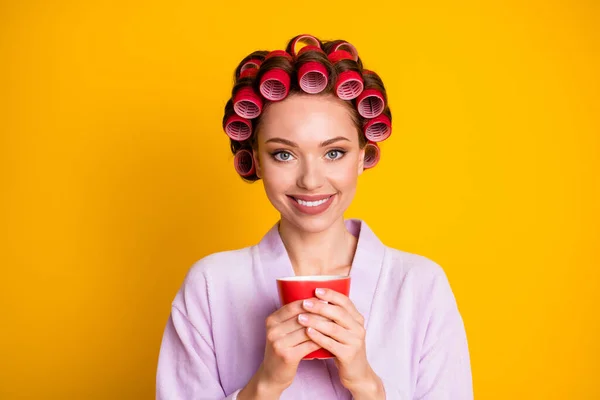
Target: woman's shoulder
x=396, y=261
x=407, y=262
x=214, y=274
x=424, y=278
x=219, y=263
x=415, y=272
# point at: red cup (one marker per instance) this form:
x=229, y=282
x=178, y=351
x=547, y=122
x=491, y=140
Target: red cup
x=296, y=288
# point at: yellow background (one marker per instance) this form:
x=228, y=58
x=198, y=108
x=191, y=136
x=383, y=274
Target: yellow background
x=116, y=176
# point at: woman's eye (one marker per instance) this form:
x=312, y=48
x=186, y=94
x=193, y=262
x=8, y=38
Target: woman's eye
x=282, y=156
x=334, y=154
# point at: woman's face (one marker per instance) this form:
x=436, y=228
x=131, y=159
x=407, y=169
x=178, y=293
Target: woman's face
x=309, y=159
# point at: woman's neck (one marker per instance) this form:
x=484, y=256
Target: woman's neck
x=324, y=253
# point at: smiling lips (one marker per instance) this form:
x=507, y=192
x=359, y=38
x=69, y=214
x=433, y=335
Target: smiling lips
x=312, y=205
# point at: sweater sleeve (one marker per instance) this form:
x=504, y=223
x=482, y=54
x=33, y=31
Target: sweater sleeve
x=444, y=367
x=187, y=367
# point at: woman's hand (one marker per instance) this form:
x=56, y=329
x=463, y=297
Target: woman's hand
x=342, y=332
x=286, y=345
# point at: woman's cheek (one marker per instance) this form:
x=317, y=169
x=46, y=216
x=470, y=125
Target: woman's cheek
x=344, y=173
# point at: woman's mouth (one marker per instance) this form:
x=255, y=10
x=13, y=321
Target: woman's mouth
x=312, y=205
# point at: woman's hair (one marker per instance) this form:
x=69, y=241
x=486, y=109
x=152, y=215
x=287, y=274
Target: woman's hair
x=319, y=68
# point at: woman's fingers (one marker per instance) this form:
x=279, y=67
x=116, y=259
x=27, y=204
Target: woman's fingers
x=305, y=348
x=293, y=339
x=341, y=300
x=327, y=327
x=286, y=312
x=332, y=312
x=295, y=333
x=326, y=342
x=291, y=325
x=293, y=346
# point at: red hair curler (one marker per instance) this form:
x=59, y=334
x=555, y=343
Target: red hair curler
x=370, y=103
x=279, y=53
x=246, y=103
x=338, y=55
x=251, y=63
x=238, y=128
x=275, y=83
x=251, y=71
x=243, y=163
x=378, y=129
x=306, y=39
x=372, y=155
x=349, y=85
x=309, y=48
x=347, y=47
x=312, y=77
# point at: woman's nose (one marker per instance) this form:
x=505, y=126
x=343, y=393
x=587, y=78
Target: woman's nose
x=310, y=175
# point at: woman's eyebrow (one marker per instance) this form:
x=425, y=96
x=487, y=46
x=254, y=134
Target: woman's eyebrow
x=293, y=144
x=282, y=141
x=333, y=140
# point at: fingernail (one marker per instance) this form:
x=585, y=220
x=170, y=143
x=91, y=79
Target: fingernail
x=320, y=291
x=308, y=303
x=302, y=318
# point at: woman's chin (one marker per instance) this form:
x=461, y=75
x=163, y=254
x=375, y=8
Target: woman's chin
x=311, y=223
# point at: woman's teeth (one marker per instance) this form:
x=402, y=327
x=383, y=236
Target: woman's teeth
x=311, y=203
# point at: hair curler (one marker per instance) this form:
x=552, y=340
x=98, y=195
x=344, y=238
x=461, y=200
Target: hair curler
x=308, y=40
x=243, y=163
x=312, y=77
x=372, y=155
x=309, y=48
x=275, y=83
x=279, y=53
x=378, y=129
x=349, y=85
x=348, y=48
x=248, y=72
x=246, y=103
x=370, y=103
x=338, y=55
x=251, y=63
x=238, y=128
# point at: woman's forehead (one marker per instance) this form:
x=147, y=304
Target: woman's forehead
x=308, y=117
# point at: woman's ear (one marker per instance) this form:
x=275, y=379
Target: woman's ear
x=256, y=162
x=361, y=161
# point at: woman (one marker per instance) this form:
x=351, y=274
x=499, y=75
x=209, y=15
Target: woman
x=307, y=122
